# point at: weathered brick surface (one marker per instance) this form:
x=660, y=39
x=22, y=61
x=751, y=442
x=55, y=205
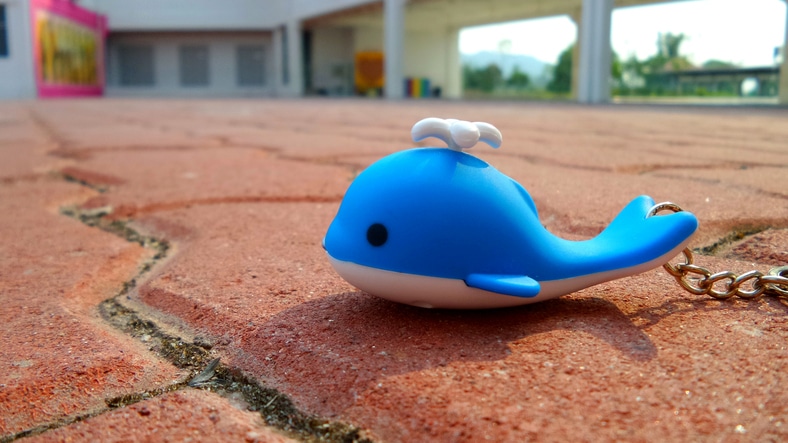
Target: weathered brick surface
x=768, y=247
x=60, y=360
x=23, y=146
x=204, y=177
x=179, y=416
x=244, y=191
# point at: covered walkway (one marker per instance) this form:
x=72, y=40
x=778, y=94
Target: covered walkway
x=420, y=37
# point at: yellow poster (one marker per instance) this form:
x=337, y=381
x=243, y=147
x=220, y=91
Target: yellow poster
x=369, y=71
x=67, y=51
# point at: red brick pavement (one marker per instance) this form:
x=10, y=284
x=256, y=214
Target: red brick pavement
x=243, y=191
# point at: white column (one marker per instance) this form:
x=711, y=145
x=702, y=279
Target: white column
x=453, y=88
x=295, y=69
x=595, y=52
x=783, y=97
x=393, y=47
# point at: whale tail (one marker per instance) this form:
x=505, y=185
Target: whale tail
x=635, y=242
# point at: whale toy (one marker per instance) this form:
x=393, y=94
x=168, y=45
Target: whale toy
x=439, y=228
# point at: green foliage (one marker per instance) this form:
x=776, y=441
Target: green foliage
x=518, y=79
x=649, y=77
x=562, y=73
x=652, y=76
x=719, y=64
x=616, y=67
x=646, y=77
x=668, y=44
x=484, y=79
x=490, y=78
x=668, y=57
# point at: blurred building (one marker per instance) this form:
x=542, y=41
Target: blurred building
x=232, y=48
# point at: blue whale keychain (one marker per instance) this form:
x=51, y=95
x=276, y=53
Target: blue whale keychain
x=439, y=228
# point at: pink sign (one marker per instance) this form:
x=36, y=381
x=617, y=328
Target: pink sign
x=68, y=49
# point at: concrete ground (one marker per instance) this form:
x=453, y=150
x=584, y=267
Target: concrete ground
x=143, y=239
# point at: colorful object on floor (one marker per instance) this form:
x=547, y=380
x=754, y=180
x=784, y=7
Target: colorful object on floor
x=439, y=228
x=417, y=87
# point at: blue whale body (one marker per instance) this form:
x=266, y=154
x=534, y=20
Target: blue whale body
x=435, y=227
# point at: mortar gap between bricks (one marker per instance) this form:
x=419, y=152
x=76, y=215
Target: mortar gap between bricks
x=45, y=128
x=736, y=235
x=96, y=187
x=275, y=408
x=50, y=426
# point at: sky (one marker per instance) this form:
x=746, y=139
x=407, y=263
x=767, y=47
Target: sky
x=744, y=32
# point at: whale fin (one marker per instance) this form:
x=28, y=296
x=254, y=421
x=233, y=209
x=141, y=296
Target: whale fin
x=515, y=285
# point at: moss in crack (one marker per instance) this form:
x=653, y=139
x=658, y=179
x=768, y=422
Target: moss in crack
x=96, y=218
x=47, y=427
x=177, y=351
x=70, y=178
x=735, y=236
x=278, y=411
x=274, y=407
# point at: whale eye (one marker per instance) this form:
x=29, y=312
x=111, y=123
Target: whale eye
x=377, y=234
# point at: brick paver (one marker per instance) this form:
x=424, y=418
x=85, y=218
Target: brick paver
x=242, y=191
x=60, y=360
x=178, y=416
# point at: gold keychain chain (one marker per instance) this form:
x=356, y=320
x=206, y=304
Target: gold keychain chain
x=700, y=281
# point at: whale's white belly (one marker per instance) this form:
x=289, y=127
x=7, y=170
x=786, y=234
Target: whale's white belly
x=448, y=293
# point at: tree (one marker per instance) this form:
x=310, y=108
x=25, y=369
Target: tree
x=719, y=64
x=562, y=73
x=669, y=44
x=668, y=56
x=616, y=67
x=469, y=80
x=485, y=79
x=491, y=78
x=518, y=79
